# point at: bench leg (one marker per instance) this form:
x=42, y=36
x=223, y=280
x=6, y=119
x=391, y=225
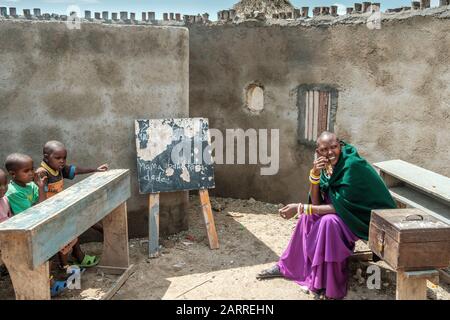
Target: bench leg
x=410, y=288
x=115, y=239
x=28, y=284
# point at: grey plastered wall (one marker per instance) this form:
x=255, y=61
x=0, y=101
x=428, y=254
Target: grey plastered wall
x=85, y=87
x=394, y=94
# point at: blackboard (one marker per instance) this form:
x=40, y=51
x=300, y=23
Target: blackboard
x=174, y=155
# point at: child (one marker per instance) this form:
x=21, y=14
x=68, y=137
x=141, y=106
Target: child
x=22, y=192
x=5, y=210
x=54, y=167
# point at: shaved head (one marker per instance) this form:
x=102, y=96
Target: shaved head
x=52, y=146
x=327, y=136
x=16, y=160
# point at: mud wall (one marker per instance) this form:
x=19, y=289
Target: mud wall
x=86, y=87
x=393, y=83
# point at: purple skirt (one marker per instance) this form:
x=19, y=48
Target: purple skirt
x=317, y=255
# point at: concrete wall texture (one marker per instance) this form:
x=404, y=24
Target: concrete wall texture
x=394, y=94
x=85, y=88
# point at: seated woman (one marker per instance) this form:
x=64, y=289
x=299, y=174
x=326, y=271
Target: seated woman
x=344, y=191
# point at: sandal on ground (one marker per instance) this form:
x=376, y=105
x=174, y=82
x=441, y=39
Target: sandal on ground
x=57, y=288
x=318, y=294
x=305, y=290
x=273, y=272
x=89, y=261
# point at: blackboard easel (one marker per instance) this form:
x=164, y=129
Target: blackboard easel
x=153, y=222
x=162, y=167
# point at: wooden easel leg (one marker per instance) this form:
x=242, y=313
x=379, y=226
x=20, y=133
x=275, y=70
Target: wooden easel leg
x=209, y=219
x=410, y=288
x=115, y=235
x=153, y=225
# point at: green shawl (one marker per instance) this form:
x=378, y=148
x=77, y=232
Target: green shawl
x=355, y=189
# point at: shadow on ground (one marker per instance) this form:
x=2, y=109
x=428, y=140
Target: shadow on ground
x=252, y=236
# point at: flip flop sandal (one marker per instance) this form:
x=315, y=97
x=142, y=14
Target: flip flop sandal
x=57, y=288
x=89, y=261
x=270, y=273
x=319, y=294
x=305, y=290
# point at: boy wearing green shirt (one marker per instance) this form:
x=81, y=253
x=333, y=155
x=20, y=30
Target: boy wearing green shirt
x=26, y=187
x=23, y=193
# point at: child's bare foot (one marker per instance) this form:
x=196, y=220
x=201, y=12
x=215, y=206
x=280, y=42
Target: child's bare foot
x=63, y=260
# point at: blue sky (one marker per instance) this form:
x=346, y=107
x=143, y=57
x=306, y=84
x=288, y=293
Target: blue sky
x=160, y=6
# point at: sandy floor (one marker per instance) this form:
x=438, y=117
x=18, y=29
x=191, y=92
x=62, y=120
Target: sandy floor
x=251, y=235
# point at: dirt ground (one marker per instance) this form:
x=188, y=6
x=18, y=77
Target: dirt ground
x=252, y=236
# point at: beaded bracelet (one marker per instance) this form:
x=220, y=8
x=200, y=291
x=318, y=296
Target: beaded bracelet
x=311, y=174
x=309, y=211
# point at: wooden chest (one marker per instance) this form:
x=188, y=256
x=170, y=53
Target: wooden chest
x=409, y=239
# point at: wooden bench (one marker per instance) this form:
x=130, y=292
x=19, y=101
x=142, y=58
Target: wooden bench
x=29, y=240
x=414, y=187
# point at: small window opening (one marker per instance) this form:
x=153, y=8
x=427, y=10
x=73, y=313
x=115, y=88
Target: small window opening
x=255, y=98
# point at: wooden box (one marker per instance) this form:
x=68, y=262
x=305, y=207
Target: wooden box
x=410, y=239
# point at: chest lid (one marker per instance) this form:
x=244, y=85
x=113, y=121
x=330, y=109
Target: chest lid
x=411, y=225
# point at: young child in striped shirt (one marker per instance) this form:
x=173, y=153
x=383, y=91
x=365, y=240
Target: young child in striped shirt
x=55, y=168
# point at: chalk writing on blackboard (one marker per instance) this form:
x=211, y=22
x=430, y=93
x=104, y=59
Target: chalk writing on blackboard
x=172, y=155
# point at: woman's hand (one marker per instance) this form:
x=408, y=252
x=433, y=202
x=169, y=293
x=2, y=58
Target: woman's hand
x=290, y=210
x=319, y=165
x=103, y=168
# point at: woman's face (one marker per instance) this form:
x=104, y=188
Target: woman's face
x=330, y=148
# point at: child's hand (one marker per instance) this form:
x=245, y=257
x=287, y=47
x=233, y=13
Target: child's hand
x=103, y=168
x=40, y=179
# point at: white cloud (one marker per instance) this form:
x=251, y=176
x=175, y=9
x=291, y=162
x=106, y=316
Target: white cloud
x=434, y=3
x=341, y=10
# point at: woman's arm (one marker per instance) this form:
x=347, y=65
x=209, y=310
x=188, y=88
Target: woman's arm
x=319, y=164
x=323, y=209
x=315, y=194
